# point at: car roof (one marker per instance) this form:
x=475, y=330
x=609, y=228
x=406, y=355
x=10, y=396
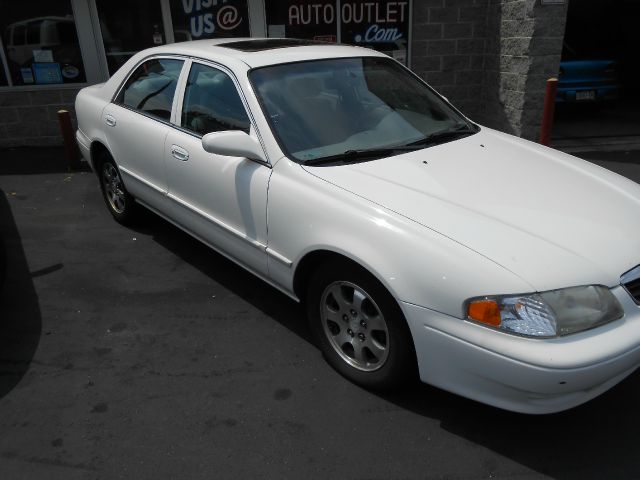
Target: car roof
x=258, y=52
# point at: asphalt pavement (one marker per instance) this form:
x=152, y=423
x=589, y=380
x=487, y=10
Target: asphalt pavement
x=597, y=126
x=139, y=353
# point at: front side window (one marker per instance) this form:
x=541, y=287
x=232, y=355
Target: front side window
x=212, y=103
x=151, y=87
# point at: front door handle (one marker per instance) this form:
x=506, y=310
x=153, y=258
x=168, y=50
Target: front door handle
x=110, y=120
x=179, y=153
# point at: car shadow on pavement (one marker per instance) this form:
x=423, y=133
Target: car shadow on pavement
x=36, y=161
x=595, y=440
x=20, y=320
x=591, y=441
x=223, y=271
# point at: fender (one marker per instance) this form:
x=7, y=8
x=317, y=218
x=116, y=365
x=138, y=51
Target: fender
x=429, y=269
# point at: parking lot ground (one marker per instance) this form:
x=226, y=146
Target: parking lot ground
x=616, y=118
x=139, y=353
x=603, y=127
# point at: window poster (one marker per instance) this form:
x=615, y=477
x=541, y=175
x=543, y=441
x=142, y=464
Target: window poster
x=47, y=73
x=198, y=19
x=26, y=76
x=43, y=56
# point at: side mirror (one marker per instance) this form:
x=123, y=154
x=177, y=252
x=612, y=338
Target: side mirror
x=233, y=143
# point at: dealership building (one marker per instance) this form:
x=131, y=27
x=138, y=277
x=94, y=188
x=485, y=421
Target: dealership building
x=490, y=58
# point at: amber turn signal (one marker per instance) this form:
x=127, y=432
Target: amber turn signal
x=485, y=311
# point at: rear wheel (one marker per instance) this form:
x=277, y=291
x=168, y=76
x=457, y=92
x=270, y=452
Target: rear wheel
x=359, y=327
x=119, y=202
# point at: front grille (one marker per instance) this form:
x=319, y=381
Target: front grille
x=631, y=282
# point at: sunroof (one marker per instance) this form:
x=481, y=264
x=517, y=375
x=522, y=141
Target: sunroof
x=269, y=44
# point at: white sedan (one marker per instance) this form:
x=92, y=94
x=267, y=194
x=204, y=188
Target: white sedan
x=420, y=242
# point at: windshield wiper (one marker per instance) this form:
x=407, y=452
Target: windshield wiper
x=461, y=130
x=347, y=156
x=355, y=155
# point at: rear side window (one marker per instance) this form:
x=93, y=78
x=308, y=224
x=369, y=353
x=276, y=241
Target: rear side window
x=151, y=87
x=212, y=103
x=33, y=32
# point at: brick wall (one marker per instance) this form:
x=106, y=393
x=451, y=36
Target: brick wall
x=545, y=50
x=448, y=49
x=491, y=58
x=29, y=117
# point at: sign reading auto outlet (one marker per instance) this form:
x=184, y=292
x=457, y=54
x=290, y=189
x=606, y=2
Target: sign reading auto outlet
x=196, y=19
x=382, y=25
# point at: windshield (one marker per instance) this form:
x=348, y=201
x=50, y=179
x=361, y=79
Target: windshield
x=326, y=108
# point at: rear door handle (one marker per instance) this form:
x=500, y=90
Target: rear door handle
x=110, y=120
x=179, y=153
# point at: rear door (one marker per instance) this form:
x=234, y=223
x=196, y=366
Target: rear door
x=137, y=123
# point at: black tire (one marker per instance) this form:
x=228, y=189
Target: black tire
x=119, y=201
x=354, y=349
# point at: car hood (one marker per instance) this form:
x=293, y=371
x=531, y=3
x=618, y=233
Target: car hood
x=550, y=218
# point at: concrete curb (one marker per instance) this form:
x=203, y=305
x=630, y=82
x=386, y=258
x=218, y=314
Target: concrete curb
x=597, y=144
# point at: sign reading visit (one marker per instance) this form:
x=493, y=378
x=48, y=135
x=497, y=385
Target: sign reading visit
x=197, y=19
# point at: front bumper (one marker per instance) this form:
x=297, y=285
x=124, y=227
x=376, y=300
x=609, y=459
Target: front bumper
x=524, y=374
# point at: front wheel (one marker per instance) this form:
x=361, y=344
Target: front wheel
x=119, y=202
x=359, y=327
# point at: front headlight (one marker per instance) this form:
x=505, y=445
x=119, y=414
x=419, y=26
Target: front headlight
x=547, y=314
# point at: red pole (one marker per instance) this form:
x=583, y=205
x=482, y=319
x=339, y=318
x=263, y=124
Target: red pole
x=547, y=113
x=64, y=119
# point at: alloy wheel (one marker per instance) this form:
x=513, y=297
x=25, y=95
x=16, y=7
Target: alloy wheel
x=354, y=326
x=113, y=187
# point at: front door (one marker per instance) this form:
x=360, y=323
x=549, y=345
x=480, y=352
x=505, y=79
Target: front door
x=221, y=199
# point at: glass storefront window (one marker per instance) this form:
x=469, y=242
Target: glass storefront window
x=40, y=43
x=128, y=27
x=307, y=19
x=198, y=19
x=379, y=24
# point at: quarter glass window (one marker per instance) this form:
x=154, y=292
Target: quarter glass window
x=211, y=102
x=151, y=87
